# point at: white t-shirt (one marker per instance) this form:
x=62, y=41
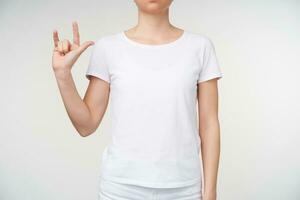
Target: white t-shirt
x=153, y=98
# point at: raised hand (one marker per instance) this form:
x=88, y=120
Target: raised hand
x=66, y=53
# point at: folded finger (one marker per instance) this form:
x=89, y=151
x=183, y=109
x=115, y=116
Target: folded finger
x=60, y=47
x=66, y=46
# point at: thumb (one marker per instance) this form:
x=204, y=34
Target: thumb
x=84, y=46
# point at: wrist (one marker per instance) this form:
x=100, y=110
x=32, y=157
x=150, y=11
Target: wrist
x=62, y=73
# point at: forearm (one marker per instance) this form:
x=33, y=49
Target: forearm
x=76, y=108
x=210, y=148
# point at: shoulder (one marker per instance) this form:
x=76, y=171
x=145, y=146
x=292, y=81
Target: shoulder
x=199, y=39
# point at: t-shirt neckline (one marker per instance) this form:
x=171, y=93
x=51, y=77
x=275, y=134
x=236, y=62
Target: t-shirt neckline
x=154, y=46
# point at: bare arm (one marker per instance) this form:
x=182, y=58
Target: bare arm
x=209, y=131
x=87, y=113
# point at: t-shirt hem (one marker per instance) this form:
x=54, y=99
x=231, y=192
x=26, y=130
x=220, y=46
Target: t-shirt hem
x=209, y=77
x=102, y=77
x=151, y=184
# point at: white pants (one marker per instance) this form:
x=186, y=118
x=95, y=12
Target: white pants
x=118, y=191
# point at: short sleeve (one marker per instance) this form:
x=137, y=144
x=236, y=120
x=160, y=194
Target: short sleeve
x=210, y=67
x=97, y=64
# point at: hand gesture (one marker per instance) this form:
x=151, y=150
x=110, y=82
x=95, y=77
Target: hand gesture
x=66, y=53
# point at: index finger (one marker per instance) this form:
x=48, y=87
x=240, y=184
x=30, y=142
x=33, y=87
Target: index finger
x=75, y=33
x=55, y=38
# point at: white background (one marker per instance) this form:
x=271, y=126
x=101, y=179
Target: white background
x=257, y=44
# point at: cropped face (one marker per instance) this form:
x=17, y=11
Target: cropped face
x=153, y=6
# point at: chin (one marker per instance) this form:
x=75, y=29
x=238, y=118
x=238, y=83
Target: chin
x=153, y=6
